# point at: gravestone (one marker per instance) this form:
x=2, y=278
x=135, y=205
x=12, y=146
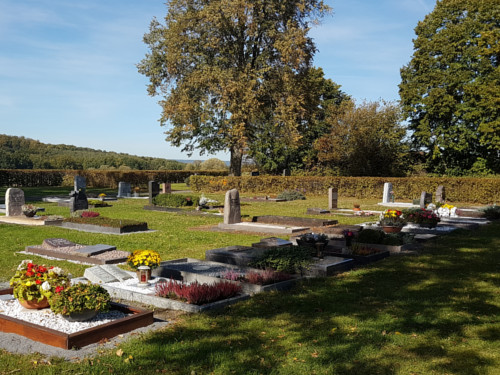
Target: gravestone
x=440, y=194
x=56, y=243
x=106, y=274
x=78, y=201
x=124, y=189
x=14, y=201
x=166, y=188
x=255, y=173
x=286, y=172
x=232, y=209
x=333, y=195
x=272, y=242
x=316, y=211
x=153, y=189
x=80, y=183
x=425, y=199
x=386, y=198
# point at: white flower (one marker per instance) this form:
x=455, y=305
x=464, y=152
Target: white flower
x=46, y=286
x=57, y=271
x=23, y=264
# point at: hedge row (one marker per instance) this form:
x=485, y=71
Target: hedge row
x=95, y=178
x=458, y=189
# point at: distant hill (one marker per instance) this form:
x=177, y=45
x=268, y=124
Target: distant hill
x=26, y=153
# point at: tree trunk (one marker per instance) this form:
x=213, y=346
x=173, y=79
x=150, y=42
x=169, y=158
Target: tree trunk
x=236, y=158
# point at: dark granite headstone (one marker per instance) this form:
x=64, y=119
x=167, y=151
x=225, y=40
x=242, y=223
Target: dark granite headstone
x=272, y=242
x=124, y=189
x=440, y=194
x=78, y=201
x=333, y=196
x=14, y=201
x=232, y=209
x=80, y=183
x=55, y=243
x=153, y=189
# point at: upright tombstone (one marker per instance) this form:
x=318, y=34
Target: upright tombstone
x=166, y=188
x=80, y=184
x=78, y=201
x=232, y=209
x=386, y=198
x=425, y=199
x=124, y=189
x=14, y=200
x=286, y=172
x=440, y=194
x=333, y=196
x=154, y=190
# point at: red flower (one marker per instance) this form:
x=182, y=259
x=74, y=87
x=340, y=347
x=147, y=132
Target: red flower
x=42, y=269
x=59, y=289
x=29, y=273
x=38, y=282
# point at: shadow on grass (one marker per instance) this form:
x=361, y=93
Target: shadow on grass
x=429, y=314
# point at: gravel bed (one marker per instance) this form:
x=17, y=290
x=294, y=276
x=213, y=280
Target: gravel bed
x=65, y=249
x=47, y=318
x=112, y=254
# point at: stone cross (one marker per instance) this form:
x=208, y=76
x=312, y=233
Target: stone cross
x=333, y=195
x=232, y=209
x=80, y=183
x=440, y=194
x=386, y=198
x=124, y=189
x=153, y=189
x=14, y=200
x=166, y=188
x=425, y=199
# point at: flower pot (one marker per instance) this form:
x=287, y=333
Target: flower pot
x=29, y=213
x=356, y=209
x=391, y=229
x=80, y=316
x=34, y=304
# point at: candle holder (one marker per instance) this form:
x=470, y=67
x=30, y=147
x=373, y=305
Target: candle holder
x=143, y=273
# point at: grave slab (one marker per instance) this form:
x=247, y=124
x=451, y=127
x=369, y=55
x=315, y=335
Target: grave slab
x=95, y=249
x=236, y=255
x=316, y=211
x=261, y=228
x=272, y=242
x=328, y=266
x=293, y=221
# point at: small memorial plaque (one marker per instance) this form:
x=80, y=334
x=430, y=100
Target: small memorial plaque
x=55, y=243
x=117, y=273
x=98, y=275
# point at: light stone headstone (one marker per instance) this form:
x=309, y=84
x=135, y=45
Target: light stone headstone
x=425, y=199
x=232, y=208
x=14, y=200
x=440, y=194
x=386, y=198
x=153, y=189
x=166, y=188
x=124, y=189
x=333, y=195
x=80, y=183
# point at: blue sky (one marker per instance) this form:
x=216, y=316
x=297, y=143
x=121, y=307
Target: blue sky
x=68, y=75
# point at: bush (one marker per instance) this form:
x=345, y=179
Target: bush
x=492, y=212
x=398, y=239
x=291, y=259
x=175, y=200
x=291, y=195
x=197, y=294
x=80, y=297
x=373, y=236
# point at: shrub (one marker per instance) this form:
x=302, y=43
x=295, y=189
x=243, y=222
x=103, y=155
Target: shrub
x=398, y=239
x=80, y=297
x=291, y=195
x=492, y=212
x=371, y=236
x=358, y=249
x=291, y=259
x=197, y=294
x=175, y=200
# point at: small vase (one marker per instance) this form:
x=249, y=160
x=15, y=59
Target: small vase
x=390, y=229
x=148, y=276
x=80, y=316
x=34, y=304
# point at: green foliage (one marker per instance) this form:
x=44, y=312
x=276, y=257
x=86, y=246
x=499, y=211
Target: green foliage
x=492, y=212
x=226, y=67
x=175, y=200
x=464, y=189
x=398, y=239
x=292, y=259
x=80, y=297
x=291, y=195
x=213, y=164
x=449, y=90
x=371, y=236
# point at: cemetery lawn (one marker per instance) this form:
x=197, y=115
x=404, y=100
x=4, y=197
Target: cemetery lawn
x=437, y=313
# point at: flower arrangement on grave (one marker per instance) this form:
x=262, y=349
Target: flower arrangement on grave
x=90, y=214
x=29, y=210
x=148, y=258
x=421, y=216
x=348, y=236
x=33, y=282
x=80, y=298
x=312, y=238
x=102, y=195
x=446, y=210
x=392, y=218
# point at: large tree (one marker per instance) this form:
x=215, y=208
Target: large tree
x=224, y=66
x=363, y=140
x=450, y=90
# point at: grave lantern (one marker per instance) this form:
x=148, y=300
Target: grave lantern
x=144, y=273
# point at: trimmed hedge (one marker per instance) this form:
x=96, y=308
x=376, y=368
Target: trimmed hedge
x=458, y=189
x=175, y=200
x=95, y=178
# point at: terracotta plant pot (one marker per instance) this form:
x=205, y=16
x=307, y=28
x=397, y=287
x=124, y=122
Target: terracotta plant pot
x=390, y=229
x=356, y=209
x=34, y=304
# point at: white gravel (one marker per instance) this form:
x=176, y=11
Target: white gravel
x=46, y=318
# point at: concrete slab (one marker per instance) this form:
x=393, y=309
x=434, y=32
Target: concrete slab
x=261, y=228
x=329, y=266
x=95, y=249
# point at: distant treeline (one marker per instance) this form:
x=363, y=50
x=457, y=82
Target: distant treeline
x=25, y=153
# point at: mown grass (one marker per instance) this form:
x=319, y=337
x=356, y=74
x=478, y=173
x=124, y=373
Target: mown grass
x=432, y=314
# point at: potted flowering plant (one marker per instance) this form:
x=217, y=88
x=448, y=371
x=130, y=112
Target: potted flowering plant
x=149, y=258
x=316, y=241
x=392, y=221
x=29, y=210
x=422, y=217
x=34, y=284
x=348, y=235
x=80, y=302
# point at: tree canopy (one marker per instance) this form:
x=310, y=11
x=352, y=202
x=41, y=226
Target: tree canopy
x=450, y=90
x=224, y=67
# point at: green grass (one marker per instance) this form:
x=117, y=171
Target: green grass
x=432, y=314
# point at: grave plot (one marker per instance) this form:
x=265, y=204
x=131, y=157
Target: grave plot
x=61, y=248
x=133, y=318
x=295, y=221
x=192, y=270
x=123, y=285
x=262, y=199
x=363, y=255
x=104, y=225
